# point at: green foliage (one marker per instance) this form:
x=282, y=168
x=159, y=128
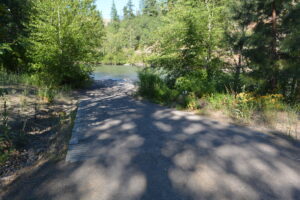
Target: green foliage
x=195, y=92
x=250, y=46
x=3, y=156
x=47, y=94
x=219, y=47
x=13, y=19
x=5, y=133
x=150, y=7
x=116, y=58
x=152, y=86
x=9, y=78
x=246, y=106
x=196, y=82
x=26, y=86
x=63, y=35
x=128, y=42
x=236, y=35
x=4, y=127
x=264, y=44
x=186, y=90
x=114, y=13
x=190, y=37
x=128, y=10
x=290, y=46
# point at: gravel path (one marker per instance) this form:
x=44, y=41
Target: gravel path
x=124, y=149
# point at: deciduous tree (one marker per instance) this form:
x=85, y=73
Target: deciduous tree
x=64, y=34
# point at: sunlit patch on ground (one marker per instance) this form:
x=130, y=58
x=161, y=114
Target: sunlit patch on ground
x=130, y=149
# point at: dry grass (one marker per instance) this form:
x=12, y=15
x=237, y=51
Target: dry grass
x=33, y=125
x=283, y=122
x=287, y=122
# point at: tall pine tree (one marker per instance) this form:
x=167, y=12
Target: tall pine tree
x=14, y=16
x=190, y=39
x=150, y=8
x=114, y=13
x=264, y=45
x=290, y=78
x=236, y=35
x=130, y=7
x=128, y=10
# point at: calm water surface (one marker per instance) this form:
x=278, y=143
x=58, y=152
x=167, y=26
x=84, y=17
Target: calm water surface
x=113, y=72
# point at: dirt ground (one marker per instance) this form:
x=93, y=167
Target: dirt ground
x=36, y=128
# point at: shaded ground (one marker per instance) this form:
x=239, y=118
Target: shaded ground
x=129, y=149
x=33, y=125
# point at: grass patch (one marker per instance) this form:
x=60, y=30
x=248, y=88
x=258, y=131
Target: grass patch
x=28, y=84
x=30, y=112
x=4, y=156
x=152, y=86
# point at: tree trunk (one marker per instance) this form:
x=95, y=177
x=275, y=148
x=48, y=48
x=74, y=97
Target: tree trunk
x=209, y=48
x=274, y=55
x=294, y=86
x=274, y=30
x=237, y=74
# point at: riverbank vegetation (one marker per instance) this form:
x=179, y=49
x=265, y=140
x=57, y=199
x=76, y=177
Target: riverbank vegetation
x=240, y=57
x=130, y=37
x=50, y=40
x=44, y=48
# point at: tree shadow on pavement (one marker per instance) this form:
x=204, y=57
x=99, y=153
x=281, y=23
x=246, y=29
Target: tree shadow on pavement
x=132, y=149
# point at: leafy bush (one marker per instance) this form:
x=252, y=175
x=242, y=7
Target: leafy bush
x=243, y=106
x=153, y=87
x=219, y=101
x=116, y=58
x=186, y=90
x=62, y=36
x=196, y=82
x=169, y=62
x=195, y=91
x=191, y=101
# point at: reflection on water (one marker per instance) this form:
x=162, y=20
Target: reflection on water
x=113, y=72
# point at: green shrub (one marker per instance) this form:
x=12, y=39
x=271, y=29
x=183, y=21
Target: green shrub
x=58, y=45
x=244, y=106
x=47, y=94
x=153, y=87
x=236, y=107
x=191, y=101
x=196, y=82
x=155, y=84
x=219, y=101
x=165, y=61
x=116, y=58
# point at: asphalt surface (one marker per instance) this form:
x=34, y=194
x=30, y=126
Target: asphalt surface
x=125, y=149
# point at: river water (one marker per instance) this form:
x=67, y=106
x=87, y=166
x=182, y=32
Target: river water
x=104, y=72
